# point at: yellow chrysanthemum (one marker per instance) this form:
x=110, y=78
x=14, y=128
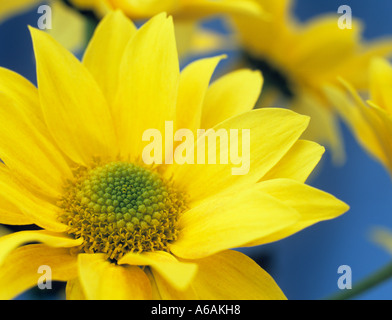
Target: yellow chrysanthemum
x=298, y=59
x=371, y=122
x=115, y=228
x=70, y=27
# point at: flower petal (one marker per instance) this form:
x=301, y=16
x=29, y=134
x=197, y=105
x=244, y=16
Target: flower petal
x=298, y=163
x=9, y=242
x=75, y=109
x=202, y=8
x=102, y=280
x=74, y=290
x=235, y=277
x=231, y=95
x=313, y=206
x=74, y=35
x=272, y=133
x=22, y=130
x=105, y=51
x=20, y=270
x=194, y=82
x=20, y=206
x=149, y=77
x=178, y=274
x=380, y=83
x=230, y=221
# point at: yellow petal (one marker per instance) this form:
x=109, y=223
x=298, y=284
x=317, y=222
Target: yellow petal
x=202, y=8
x=10, y=242
x=9, y=8
x=383, y=237
x=324, y=126
x=11, y=214
x=194, y=82
x=381, y=122
x=67, y=92
x=298, y=163
x=20, y=271
x=102, y=280
x=313, y=206
x=141, y=9
x=322, y=43
x=230, y=221
x=228, y=275
x=100, y=7
x=381, y=83
x=74, y=290
x=22, y=130
x=105, y=51
x=354, y=115
x=272, y=133
x=231, y=95
x=148, y=84
x=19, y=203
x=178, y=274
x=69, y=26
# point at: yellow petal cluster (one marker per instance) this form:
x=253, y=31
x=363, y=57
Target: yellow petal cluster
x=96, y=111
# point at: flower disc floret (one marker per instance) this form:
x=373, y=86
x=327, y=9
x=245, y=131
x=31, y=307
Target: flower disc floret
x=122, y=207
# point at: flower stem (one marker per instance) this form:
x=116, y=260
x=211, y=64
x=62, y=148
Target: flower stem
x=370, y=282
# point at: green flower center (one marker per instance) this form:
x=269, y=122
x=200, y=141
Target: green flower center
x=121, y=207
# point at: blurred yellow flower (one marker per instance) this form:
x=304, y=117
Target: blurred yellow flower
x=370, y=121
x=383, y=237
x=70, y=28
x=115, y=228
x=298, y=59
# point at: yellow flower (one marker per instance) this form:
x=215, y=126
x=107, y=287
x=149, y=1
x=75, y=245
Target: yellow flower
x=383, y=237
x=370, y=121
x=116, y=228
x=298, y=59
x=69, y=26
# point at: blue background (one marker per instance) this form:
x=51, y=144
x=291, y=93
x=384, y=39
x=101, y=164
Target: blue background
x=304, y=265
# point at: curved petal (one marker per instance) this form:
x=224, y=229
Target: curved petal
x=12, y=215
x=149, y=76
x=354, y=115
x=67, y=93
x=231, y=95
x=298, y=163
x=235, y=277
x=142, y=9
x=381, y=83
x=20, y=270
x=9, y=242
x=194, y=83
x=230, y=221
x=74, y=290
x=202, y=8
x=68, y=26
x=23, y=130
x=102, y=280
x=20, y=206
x=313, y=206
x=322, y=45
x=178, y=274
x=272, y=133
x=105, y=51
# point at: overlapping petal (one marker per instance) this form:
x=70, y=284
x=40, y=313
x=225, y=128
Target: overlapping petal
x=228, y=275
x=102, y=280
